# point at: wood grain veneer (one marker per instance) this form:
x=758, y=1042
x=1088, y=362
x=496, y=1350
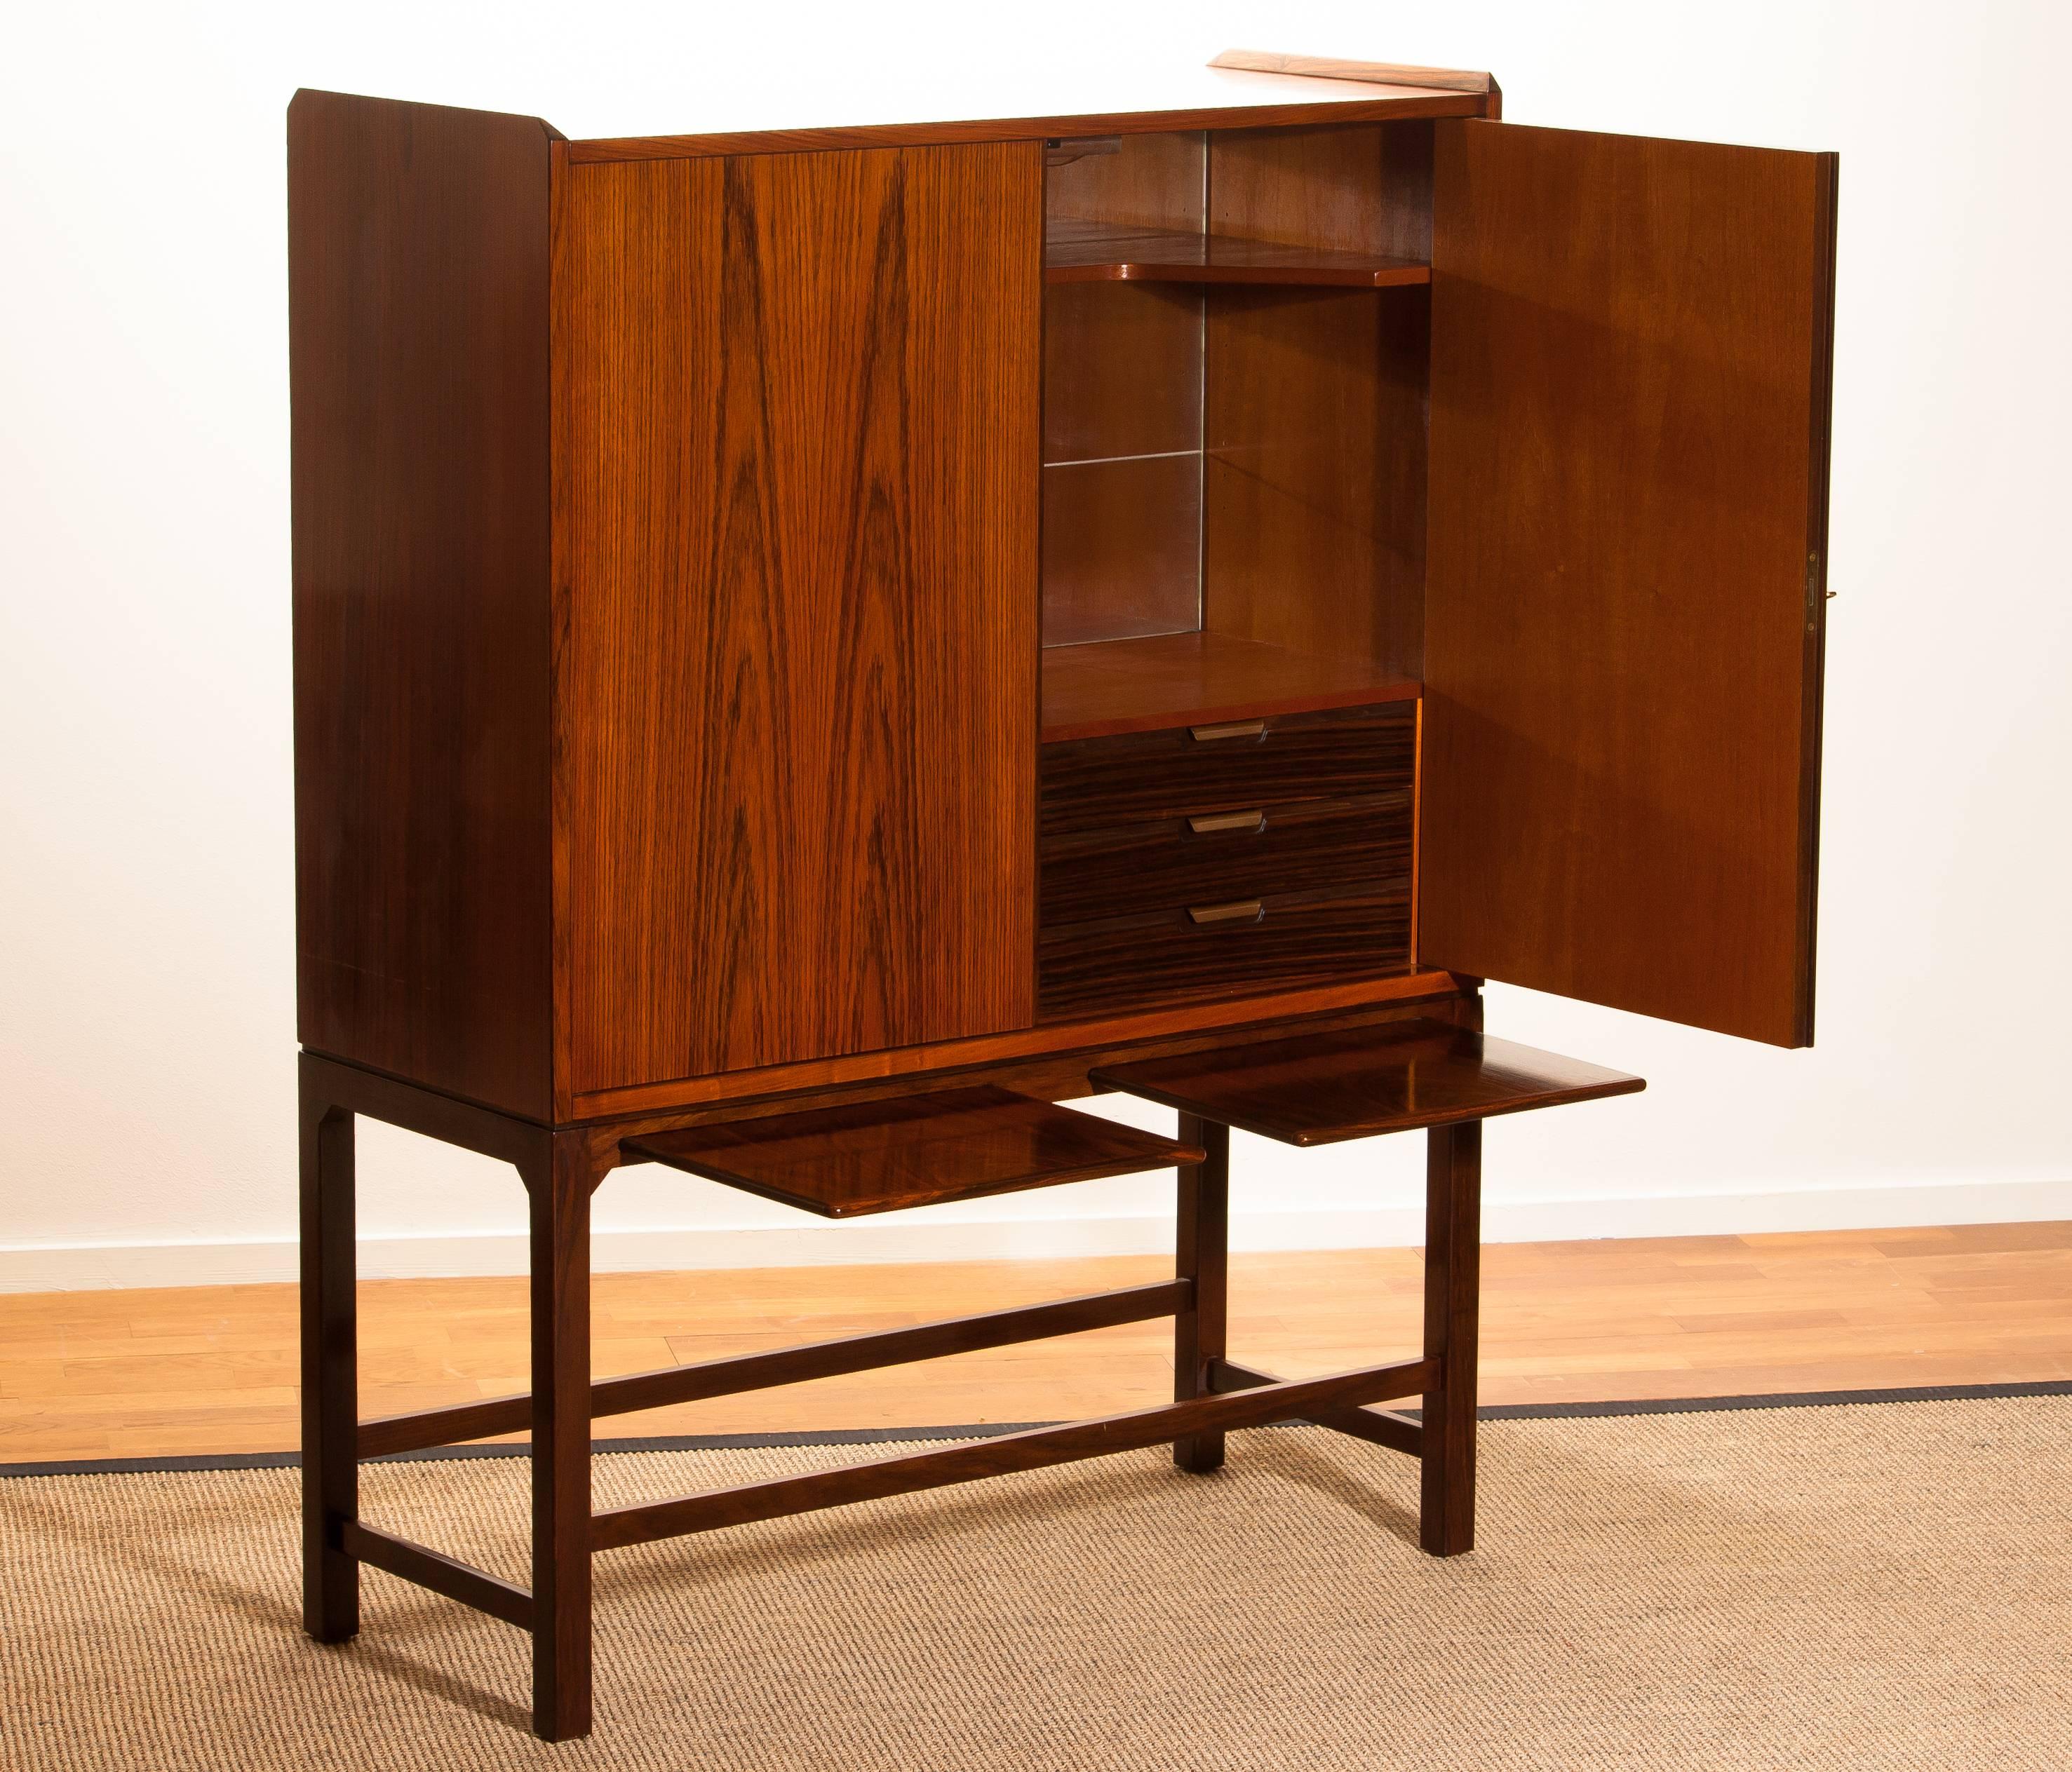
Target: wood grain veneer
x=143, y=1372
x=1169, y=955
x=1314, y=487
x=1052, y=1056
x=1274, y=848
x=1122, y=373
x=1324, y=1089
x=1339, y=753
x=1122, y=549
x=800, y=659
x=1625, y=618
x=418, y=343
x=884, y=1156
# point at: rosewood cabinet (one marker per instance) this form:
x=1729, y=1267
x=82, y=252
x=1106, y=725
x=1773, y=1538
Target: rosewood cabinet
x=792, y=620
x=776, y=612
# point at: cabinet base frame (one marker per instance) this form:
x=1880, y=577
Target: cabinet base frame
x=1213, y=1396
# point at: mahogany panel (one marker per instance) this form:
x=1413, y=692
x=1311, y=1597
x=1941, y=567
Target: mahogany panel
x=1628, y=549
x=799, y=668
x=1122, y=549
x=1179, y=679
x=884, y=1156
x=418, y=364
x=1327, y=1088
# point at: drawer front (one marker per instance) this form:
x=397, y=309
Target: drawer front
x=1209, y=857
x=1140, y=777
x=1167, y=957
x=1178, y=866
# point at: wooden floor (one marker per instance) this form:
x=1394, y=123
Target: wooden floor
x=212, y=1369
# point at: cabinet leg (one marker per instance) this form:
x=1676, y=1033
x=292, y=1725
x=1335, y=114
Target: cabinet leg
x=559, y=1182
x=1452, y=1278
x=329, y=1371
x=1204, y=1256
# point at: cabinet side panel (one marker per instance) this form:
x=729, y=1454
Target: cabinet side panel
x=419, y=322
x=799, y=677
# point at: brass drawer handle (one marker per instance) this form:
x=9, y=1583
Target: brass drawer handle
x=1248, y=910
x=1204, y=822
x=1230, y=728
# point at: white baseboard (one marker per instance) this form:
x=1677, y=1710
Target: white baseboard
x=62, y=1268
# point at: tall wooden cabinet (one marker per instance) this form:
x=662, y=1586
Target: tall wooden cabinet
x=790, y=619
x=760, y=600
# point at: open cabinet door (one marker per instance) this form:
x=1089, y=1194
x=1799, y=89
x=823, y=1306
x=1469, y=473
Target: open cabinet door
x=1625, y=598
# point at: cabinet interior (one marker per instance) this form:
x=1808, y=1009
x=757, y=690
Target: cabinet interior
x=1235, y=374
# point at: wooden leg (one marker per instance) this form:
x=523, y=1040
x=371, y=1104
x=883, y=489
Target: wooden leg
x=1203, y=1257
x=559, y=1182
x=330, y=1376
x=1453, y=1274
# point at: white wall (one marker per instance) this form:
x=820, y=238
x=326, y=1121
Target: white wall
x=146, y=1023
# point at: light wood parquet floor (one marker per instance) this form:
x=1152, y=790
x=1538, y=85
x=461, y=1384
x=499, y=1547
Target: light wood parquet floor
x=213, y=1369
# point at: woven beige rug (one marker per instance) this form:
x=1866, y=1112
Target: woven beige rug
x=1859, y=1587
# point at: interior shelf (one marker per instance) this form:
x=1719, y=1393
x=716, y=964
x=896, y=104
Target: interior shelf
x=1105, y=686
x=1079, y=252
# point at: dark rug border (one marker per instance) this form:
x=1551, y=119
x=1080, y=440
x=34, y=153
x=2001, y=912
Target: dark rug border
x=880, y=1436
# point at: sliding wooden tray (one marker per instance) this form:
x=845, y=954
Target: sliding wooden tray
x=912, y=1150
x=1355, y=1084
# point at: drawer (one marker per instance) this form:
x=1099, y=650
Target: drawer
x=1165, y=956
x=1255, y=852
x=1141, y=778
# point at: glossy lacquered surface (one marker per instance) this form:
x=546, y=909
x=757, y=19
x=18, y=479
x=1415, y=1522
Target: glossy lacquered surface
x=880, y=1156
x=1332, y=1087
x=418, y=351
x=800, y=483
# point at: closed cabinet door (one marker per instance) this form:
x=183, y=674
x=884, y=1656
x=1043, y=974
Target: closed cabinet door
x=1625, y=606
x=797, y=402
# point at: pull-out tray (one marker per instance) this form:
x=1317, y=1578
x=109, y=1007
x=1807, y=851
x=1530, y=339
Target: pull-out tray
x=910, y=1151
x=1325, y=1088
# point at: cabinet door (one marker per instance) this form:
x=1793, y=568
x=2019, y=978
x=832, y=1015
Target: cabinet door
x=797, y=692
x=1625, y=601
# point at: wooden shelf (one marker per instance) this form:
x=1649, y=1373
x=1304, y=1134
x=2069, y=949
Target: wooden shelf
x=1076, y=252
x=1356, y=1085
x=1107, y=687
x=910, y=1150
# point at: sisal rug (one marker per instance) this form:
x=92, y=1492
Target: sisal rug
x=1866, y=1586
